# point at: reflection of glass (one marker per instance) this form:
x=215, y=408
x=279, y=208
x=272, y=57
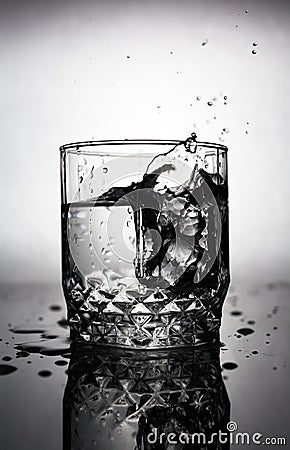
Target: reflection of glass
x=145, y=241
x=114, y=401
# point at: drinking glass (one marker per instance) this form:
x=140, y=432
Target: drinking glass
x=145, y=259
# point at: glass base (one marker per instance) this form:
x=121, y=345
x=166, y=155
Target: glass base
x=146, y=330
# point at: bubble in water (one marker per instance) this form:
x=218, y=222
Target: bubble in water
x=225, y=97
x=198, y=98
x=105, y=170
x=255, y=44
x=209, y=103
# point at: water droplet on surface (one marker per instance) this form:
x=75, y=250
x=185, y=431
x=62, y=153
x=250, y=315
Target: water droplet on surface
x=22, y=354
x=61, y=362
x=6, y=369
x=236, y=313
x=44, y=373
x=245, y=331
x=229, y=366
x=55, y=308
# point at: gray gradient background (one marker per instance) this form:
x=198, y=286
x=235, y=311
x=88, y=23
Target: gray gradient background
x=65, y=76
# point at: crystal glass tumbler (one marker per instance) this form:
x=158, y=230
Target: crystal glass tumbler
x=145, y=241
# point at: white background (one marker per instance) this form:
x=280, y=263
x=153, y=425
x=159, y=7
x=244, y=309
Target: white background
x=65, y=77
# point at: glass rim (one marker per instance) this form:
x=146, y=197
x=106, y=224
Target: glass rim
x=75, y=147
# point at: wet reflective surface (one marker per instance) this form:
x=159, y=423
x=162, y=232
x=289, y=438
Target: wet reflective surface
x=54, y=397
